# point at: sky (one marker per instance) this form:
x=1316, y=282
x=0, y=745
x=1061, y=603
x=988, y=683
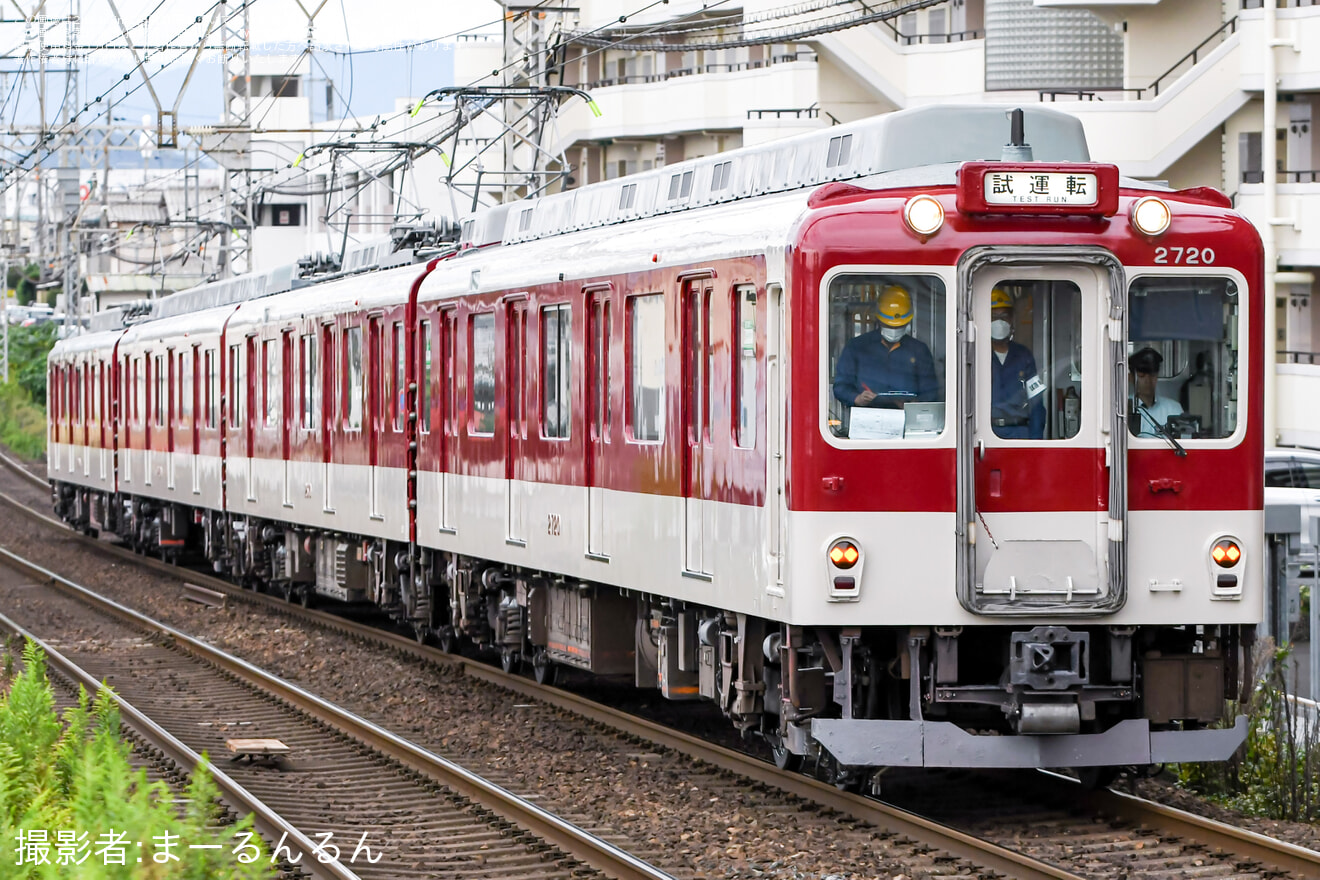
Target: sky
x=413, y=40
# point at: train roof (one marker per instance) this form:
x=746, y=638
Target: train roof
x=906, y=139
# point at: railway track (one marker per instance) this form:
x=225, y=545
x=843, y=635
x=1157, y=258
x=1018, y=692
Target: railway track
x=341, y=774
x=1061, y=834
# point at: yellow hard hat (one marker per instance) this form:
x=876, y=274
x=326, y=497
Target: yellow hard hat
x=894, y=307
x=999, y=299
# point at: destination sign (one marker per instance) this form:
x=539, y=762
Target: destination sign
x=1040, y=188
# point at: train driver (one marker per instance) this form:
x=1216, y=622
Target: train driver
x=1150, y=411
x=1015, y=412
x=887, y=367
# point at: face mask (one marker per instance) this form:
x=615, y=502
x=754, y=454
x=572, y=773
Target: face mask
x=1000, y=330
x=892, y=334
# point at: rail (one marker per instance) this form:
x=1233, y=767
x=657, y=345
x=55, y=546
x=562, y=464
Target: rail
x=267, y=822
x=1299, y=357
x=812, y=112
x=574, y=841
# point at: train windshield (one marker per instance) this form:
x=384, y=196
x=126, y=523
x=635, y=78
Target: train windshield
x=886, y=356
x=1035, y=357
x=1183, y=357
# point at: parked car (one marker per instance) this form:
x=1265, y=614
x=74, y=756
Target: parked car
x=1292, y=476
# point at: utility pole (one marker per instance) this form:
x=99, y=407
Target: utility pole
x=530, y=36
x=236, y=240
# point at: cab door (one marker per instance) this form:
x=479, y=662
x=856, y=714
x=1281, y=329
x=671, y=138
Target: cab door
x=1043, y=506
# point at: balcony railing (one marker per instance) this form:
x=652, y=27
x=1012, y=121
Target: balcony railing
x=1299, y=357
x=1282, y=176
x=812, y=112
x=635, y=78
x=1223, y=32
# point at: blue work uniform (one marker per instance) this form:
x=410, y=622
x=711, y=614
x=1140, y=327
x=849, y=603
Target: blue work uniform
x=1012, y=413
x=868, y=361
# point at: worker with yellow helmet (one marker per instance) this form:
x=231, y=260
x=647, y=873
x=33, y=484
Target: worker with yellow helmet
x=1015, y=412
x=886, y=366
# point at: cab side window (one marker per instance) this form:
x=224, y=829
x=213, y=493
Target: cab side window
x=886, y=361
x=1183, y=357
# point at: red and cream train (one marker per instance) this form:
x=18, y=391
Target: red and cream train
x=600, y=432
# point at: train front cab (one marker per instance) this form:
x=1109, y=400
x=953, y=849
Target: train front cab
x=1038, y=580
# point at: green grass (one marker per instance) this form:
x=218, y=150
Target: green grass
x=1277, y=772
x=22, y=422
x=70, y=780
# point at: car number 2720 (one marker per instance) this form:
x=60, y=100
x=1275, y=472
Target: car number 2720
x=1186, y=256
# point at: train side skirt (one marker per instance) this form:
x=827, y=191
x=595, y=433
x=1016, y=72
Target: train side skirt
x=870, y=743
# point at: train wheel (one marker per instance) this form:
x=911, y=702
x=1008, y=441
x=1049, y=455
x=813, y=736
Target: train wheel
x=783, y=758
x=448, y=639
x=544, y=669
x=421, y=632
x=306, y=597
x=510, y=660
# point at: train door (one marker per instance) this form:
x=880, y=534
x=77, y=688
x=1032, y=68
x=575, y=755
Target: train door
x=250, y=374
x=776, y=419
x=515, y=409
x=698, y=510
x=375, y=407
x=446, y=416
x=599, y=416
x=1043, y=373
x=172, y=405
x=287, y=409
x=328, y=409
x=200, y=402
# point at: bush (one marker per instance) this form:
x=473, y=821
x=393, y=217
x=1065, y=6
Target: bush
x=69, y=797
x=22, y=422
x=1275, y=774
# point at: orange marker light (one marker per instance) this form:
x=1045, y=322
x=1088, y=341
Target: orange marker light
x=844, y=554
x=1226, y=553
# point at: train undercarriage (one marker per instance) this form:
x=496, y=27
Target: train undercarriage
x=845, y=700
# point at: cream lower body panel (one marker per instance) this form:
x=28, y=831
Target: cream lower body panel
x=363, y=500
x=640, y=544
x=180, y=477
x=81, y=465
x=909, y=575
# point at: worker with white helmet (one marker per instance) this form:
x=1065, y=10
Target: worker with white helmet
x=887, y=366
x=1015, y=413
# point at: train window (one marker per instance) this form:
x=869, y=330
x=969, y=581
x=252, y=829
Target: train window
x=208, y=401
x=481, y=345
x=400, y=387
x=1183, y=357
x=556, y=344
x=1035, y=357
x=186, y=383
x=353, y=379
x=424, y=382
x=308, y=388
x=270, y=381
x=236, y=386
x=744, y=365
x=886, y=356
x=646, y=367
x=161, y=389
x=448, y=333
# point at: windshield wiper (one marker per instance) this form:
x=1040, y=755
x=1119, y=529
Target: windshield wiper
x=1161, y=431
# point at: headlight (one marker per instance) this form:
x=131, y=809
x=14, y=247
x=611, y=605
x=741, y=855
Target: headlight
x=844, y=554
x=924, y=215
x=1151, y=215
x=1226, y=553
